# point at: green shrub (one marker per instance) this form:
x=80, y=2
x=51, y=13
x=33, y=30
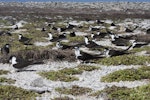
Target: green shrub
x=58, y=76
x=63, y=98
x=66, y=73
x=74, y=90
x=5, y=80
x=3, y=72
x=123, y=93
x=15, y=93
x=128, y=75
x=87, y=67
x=125, y=60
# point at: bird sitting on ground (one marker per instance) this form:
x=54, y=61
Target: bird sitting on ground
x=63, y=46
x=112, y=52
x=119, y=41
x=24, y=40
x=137, y=44
x=91, y=44
x=22, y=64
x=98, y=36
x=5, y=49
x=58, y=38
x=84, y=56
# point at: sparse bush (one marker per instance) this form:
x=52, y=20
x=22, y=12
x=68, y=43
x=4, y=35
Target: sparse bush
x=58, y=76
x=13, y=93
x=125, y=60
x=5, y=80
x=87, y=67
x=3, y=72
x=63, y=98
x=43, y=54
x=128, y=75
x=123, y=93
x=74, y=90
x=66, y=73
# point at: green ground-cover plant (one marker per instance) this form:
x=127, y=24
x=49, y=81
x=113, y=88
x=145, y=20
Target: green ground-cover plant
x=3, y=72
x=123, y=93
x=74, y=90
x=62, y=98
x=128, y=75
x=15, y=93
x=125, y=60
x=6, y=80
x=66, y=74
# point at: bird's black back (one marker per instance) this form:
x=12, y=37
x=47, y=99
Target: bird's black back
x=5, y=50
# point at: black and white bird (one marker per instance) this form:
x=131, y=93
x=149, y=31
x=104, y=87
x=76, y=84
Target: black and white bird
x=52, y=38
x=5, y=33
x=22, y=64
x=43, y=29
x=148, y=31
x=5, y=49
x=99, y=35
x=83, y=56
x=91, y=44
x=72, y=34
x=63, y=46
x=136, y=44
x=16, y=27
x=8, y=33
x=119, y=41
x=24, y=40
x=112, y=52
x=58, y=38
x=130, y=30
x=62, y=36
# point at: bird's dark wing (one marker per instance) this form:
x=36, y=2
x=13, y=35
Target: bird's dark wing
x=22, y=63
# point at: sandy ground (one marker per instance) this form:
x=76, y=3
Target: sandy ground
x=31, y=80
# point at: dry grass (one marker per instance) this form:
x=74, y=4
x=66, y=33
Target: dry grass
x=54, y=55
x=74, y=90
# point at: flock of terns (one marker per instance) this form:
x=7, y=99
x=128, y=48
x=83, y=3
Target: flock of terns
x=90, y=42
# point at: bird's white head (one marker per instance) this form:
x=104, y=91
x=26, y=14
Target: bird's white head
x=86, y=40
x=106, y=52
x=58, y=44
x=7, y=46
x=77, y=52
x=13, y=60
x=92, y=35
x=112, y=37
x=50, y=36
x=20, y=36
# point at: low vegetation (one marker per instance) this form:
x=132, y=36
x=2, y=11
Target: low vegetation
x=3, y=72
x=123, y=93
x=5, y=80
x=87, y=67
x=74, y=90
x=42, y=54
x=128, y=75
x=66, y=73
x=145, y=48
x=15, y=93
x=125, y=60
x=75, y=39
x=59, y=76
x=63, y=98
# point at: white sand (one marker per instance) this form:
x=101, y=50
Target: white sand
x=32, y=81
